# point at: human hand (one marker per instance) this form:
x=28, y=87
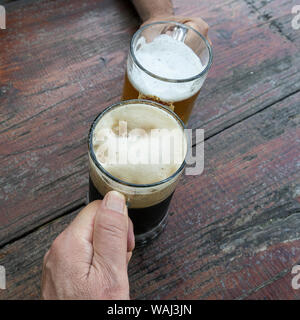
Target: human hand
x=196, y=23
x=89, y=259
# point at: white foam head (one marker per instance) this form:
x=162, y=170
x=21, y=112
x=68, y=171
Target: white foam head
x=137, y=116
x=167, y=58
x=139, y=143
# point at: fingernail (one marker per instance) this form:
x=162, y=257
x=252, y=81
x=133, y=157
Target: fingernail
x=115, y=201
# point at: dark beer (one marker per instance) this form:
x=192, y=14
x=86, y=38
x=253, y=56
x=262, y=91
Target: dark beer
x=143, y=219
x=147, y=185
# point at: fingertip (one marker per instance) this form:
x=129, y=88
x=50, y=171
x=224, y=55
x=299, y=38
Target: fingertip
x=203, y=29
x=115, y=201
x=116, y=194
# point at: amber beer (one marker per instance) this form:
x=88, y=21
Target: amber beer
x=149, y=182
x=182, y=108
x=168, y=63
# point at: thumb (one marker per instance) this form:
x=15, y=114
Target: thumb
x=110, y=232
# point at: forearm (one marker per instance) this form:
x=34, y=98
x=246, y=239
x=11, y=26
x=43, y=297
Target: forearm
x=148, y=9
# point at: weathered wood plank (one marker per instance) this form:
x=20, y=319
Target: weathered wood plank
x=278, y=15
x=24, y=265
x=233, y=233
x=6, y=1
x=61, y=63
x=244, y=208
x=255, y=63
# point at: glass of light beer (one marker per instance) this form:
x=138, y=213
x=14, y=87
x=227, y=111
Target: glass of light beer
x=138, y=147
x=168, y=63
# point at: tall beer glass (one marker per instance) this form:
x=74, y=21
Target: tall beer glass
x=147, y=185
x=168, y=63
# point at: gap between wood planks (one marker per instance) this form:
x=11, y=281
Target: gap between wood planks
x=80, y=204
x=248, y=116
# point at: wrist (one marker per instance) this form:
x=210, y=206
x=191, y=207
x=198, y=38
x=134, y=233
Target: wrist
x=159, y=16
x=149, y=10
x=160, y=12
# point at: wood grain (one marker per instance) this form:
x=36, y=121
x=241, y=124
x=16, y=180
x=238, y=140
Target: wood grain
x=63, y=62
x=255, y=63
x=23, y=260
x=237, y=225
x=233, y=232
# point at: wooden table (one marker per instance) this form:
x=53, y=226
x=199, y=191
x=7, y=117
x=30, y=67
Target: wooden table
x=234, y=231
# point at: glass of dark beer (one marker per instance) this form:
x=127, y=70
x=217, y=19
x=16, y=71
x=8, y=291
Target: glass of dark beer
x=138, y=147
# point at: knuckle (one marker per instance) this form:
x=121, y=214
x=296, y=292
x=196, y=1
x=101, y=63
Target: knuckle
x=45, y=259
x=199, y=25
x=57, y=245
x=205, y=25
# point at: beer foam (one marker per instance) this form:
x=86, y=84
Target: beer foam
x=139, y=144
x=168, y=58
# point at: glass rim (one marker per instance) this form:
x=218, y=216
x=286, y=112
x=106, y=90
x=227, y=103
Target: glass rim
x=203, y=72
x=133, y=101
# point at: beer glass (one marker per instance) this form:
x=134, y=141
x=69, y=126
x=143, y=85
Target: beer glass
x=147, y=203
x=168, y=63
